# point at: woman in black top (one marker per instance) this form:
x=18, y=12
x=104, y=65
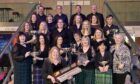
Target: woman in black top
x=22, y=61
x=103, y=61
x=34, y=23
x=50, y=22
x=51, y=65
x=42, y=48
x=86, y=60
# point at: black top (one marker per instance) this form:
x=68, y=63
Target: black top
x=35, y=26
x=99, y=15
x=41, y=18
x=50, y=69
x=90, y=55
x=64, y=33
x=43, y=54
x=107, y=57
x=63, y=17
x=73, y=16
x=51, y=26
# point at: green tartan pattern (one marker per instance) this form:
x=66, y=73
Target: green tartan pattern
x=85, y=77
x=103, y=78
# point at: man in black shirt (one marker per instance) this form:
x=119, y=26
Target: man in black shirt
x=41, y=16
x=100, y=16
x=60, y=15
x=78, y=12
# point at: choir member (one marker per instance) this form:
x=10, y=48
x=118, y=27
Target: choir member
x=61, y=30
x=77, y=25
x=95, y=24
x=34, y=22
x=78, y=12
x=98, y=37
x=42, y=48
x=103, y=63
x=121, y=59
x=60, y=15
x=86, y=60
x=22, y=61
x=40, y=14
x=86, y=28
x=100, y=16
x=51, y=65
x=50, y=22
x=110, y=29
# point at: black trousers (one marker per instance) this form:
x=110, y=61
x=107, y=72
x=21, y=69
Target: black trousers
x=119, y=78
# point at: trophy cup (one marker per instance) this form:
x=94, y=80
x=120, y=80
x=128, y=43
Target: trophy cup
x=103, y=63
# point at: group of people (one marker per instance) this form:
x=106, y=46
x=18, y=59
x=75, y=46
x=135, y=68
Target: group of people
x=51, y=43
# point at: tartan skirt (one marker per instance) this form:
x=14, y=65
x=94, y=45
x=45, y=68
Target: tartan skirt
x=103, y=78
x=85, y=77
x=37, y=76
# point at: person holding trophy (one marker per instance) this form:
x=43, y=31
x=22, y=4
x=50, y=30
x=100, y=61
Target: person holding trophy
x=121, y=59
x=103, y=63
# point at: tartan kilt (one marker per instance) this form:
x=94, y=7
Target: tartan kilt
x=85, y=77
x=103, y=78
x=37, y=76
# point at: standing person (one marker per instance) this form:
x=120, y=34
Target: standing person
x=78, y=12
x=51, y=65
x=42, y=48
x=40, y=15
x=86, y=60
x=103, y=63
x=99, y=15
x=34, y=22
x=50, y=22
x=61, y=30
x=22, y=61
x=60, y=15
x=95, y=24
x=86, y=28
x=110, y=29
x=121, y=59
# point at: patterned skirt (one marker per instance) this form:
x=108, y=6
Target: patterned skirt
x=103, y=78
x=37, y=76
x=85, y=77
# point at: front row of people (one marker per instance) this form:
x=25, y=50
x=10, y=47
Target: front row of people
x=99, y=66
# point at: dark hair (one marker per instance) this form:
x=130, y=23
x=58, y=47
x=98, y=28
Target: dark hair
x=98, y=22
x=74, y=20
x=31, y=17
x=55, y=40
x=78, y=33
x=108, y=16
x=20, y=34
x=78, y=6
x=102, y=42
x=45, y=39
x=49, y=15
x=64, y=26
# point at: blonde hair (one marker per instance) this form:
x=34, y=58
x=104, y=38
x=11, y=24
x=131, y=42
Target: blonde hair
x=44, y=24
x=87, y=38
x=50, y=54
x=83, y=29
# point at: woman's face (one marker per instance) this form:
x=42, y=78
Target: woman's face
x=77, y=37
x=98, y=34
x=102, y=47
x=22, y=38
x=77, y=19
x=41, y=39
x=42, y=26
x=55, y=54
x=49, y=18
x=59, y=40
x=109, y=20
x=85, y=42
x=34, y=18
x=118, y=39
x=86, y=25
x=94, y=20
x=27, y=27
x=60, y=23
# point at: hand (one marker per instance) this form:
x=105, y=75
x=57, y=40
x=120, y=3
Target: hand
x=121, y=66
x=101, y=69
x=106, y=68
x=34, y=37
x=27, y=54
x=108, y=32
x=86, y=62
x=51, y=78
x=38, y=58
